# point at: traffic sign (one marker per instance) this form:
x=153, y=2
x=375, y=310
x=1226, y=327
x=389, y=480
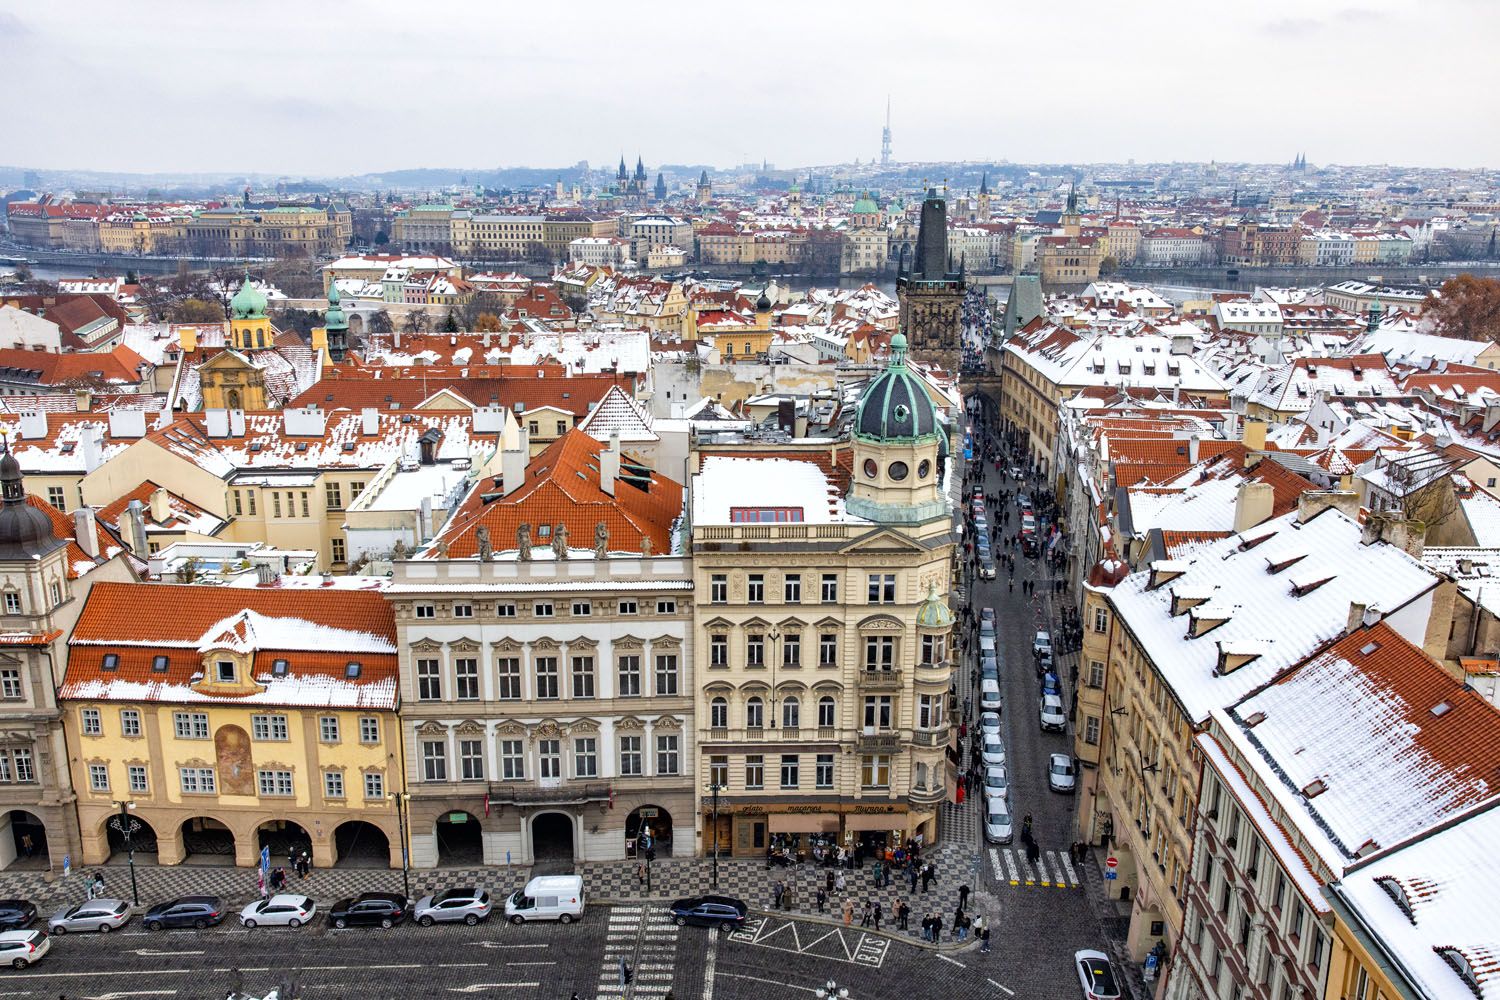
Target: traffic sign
x=1111, y=875
x=1112, y=862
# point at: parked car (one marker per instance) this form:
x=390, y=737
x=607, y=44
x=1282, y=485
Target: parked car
x=992, y=751
x=1054, y=716
x=987, y=615
x=1050, y=684
x=989, y=695
x=995, y=782
x=989, y=724
x=1023, y=500
x=188, y=911
x=1060, y=773
x=23, y=948
x=1096, y=975
x=16, y=913
x=102, y=915
x=997, y=824
x=1042, y=644
x=470, y=904
x=369, y=909
x=989, y=666
x=710, y=911
x=284, y=910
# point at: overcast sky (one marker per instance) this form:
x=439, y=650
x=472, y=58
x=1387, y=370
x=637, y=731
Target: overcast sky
x=339, y=86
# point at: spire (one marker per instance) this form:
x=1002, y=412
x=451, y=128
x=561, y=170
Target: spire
x=621, y=174
x=984, y=183
x=640, y=169
x=703, y=178
x=12, y=489
x=1072, y=198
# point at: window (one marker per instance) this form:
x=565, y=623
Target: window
x=338, y=550
x=1096, y=674
x=426, y=610
x=792, y=588
x=718, y=589
x=1091, y=730
x=190, y=725
x=466, y=678
x=136, y=775
x=583, y=676
x=57, y=497
x=333, y=496
x=274, y=782
x=471, y=760
x=1315, y=950
x=755, y=588
x=92, y=723
x=463, y=611
x=98, y=777
x=791, y=650
x=630, y=676
x=789, y=770
x=929, y=711
x=934, y=648
x=226, y=672
x=1101, y=620
x=791, y=714
x=628, y=607
x=55, y=590
x=1278, y=891
x=828, y=649
x=666, y=674
x=434, y=760
x=630, y=756
x=877, y=711
x=755, y=714
x=875, y=771
x=305, y=509
x=718, y=713
x=276, y=504
x=880, y=652
x=882, y=589
x=755, y=771
x=582, y=609
x=250, y=497
x=512, y=760
x=823, y=771
x=827, y=710
x=546, y=677
x=666, y=606
x=333, y=784
x=718, y=772
x=509, y=670
x=830, y=593
x=718, y=650
x=505, y=610
x=562, y=428
x=196, y=780
x=542, y=609
x=755, y=650
x=666, y=754
x=369, y=729
x=111, y=661
x=549, y=759
x=130, y=722
x=268, y=727
x=586, y=757
x=238, y=509
x=355, y=489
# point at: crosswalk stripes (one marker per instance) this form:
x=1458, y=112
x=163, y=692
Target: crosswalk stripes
x=624, y=927
x=1067, y=866
x=657, y=956
x=1050, y=871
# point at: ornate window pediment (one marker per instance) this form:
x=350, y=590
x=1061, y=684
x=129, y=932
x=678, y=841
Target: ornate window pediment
x=432, y=728
x=629, y=723
x=719, y=687
x=882, y=623
x=426, y=646
x=663, y=642
x=583, y=642
x=506, y=646
x=464, y=646
x=718, y=624
x=827, y=687
x=829, y=622
x=668, y=722
x=755, y=623
x=548, y=729
x=195, y=762
x=510, y=727
x=469, y=727
x=629, y=642
x=544, y=643
x=584, y=726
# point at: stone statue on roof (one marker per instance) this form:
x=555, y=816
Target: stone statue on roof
x=523, y=541
x=442, y=548
x=482, y=536
x=601, y=540
x=399, y=550
x=560, y=542
x=646, y=546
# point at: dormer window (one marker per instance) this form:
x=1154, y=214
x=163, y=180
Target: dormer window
x=1460, y=964
x=224, y=671
x=111, y=660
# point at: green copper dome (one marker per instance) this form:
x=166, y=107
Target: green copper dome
x=865, y=205
x=934, y=612
x=895, y=405
x=334, y=318
x=247, y=302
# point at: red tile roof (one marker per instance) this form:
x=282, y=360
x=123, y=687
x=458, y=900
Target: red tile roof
x=355, y=388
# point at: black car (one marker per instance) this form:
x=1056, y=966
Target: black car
x=710, y=911
x=369, y=909
x=16, y=914
x=188, y=911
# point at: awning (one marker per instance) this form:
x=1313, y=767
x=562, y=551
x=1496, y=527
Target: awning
x=875, y=821
x=804, y=822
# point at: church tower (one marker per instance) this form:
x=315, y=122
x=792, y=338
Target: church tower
x=1072, y=219
x=249, y=326
x=333, y=335
x=984, y=197
x=661, y=187
x=931, y=291
x=898, y=450
x=705, y=192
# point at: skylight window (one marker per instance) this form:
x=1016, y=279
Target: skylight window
x=160, y=663
x=351, y=670
x=278, y=668
x=111, y=661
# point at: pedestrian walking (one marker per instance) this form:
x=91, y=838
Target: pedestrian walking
x=866, y=914
x=848, y=910
x=877, y=914
x=304, y=864
x=911, y=874
x=840, y=883
x=777, y=889
x=937, y=927
x=1033, y=852
x=960, y=925
x=822, y=900
x=879, y=872
x=27, y=845
x=984, y=940
x=963, y=896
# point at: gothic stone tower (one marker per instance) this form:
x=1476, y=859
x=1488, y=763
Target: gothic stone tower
x=931, y=291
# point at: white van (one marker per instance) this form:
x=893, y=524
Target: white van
x=547, y=897
x=986, y=644
x=989, y=696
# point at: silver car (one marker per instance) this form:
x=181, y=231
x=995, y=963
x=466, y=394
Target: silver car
x=992, y=751
x=996, y=785
x=989, y=724
x=102, y=915
x=1054, y=717
x=470, y=904
x=997, y=822
x=1060, y=773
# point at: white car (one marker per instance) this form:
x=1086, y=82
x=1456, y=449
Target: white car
x=1095, y=975
x=997, y=825
x=1054, y=717
x=1060, y=773
x=996, y=785
x=989, y=723
x=284, y=910
x=1042, y=644
x=23, y=948
x=991, y=751
x=989, y=695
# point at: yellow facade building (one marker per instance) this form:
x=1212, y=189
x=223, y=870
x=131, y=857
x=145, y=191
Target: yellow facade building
x=234, y=719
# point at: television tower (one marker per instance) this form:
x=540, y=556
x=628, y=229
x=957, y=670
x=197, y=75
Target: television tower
x=885, y=135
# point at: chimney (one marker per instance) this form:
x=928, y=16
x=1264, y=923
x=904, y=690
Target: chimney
x=1314, y=502
x=91, y=457
x=1357, y=611
x=308, y=421
x=609, y=464
x=127, y=423
x=161, y=506
x=218, y=423
x=187, y=338
x=424, y=521
x=320, y=339
x=135, y=528
x=1254, y=437
x=265, y=574
x=33, y=425
x=86, y=531
x=513, y=462
x=1193, y=450
x=369, y=421
x=83, y=400
x=237, y=423
x=1252, y=505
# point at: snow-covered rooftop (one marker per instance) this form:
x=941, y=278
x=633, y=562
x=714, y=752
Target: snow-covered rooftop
x=725, y=483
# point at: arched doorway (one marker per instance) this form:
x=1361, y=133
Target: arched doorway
x=25, y=844
x=142, y=837
x=282, y=837
x=552, y=837
x=357, y=844
x=460, y=839
x=648, y=826
x=206, y=841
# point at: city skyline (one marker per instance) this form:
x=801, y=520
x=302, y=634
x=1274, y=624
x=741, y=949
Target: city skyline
x=812, y=89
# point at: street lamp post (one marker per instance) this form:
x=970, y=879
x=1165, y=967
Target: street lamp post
x=715, y=788
x=401, y=798
x=128, y=825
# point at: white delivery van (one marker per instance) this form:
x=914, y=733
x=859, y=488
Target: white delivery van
x=989, y=695
x=547, y=897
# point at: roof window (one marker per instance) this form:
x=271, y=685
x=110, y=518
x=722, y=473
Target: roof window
x=1368, y=648
x=160, y=663
x=278, y=668
x=1441, y=709
x=1460, y=964
x=351, y=670
x=1314, y=788
x=111, y=661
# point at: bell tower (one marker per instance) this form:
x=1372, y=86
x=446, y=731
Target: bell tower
x=249, y=326
x=931, y=291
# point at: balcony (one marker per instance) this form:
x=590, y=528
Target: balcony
x=881, y=742
x=931, y=737
x=564, y=793
x=923, y=797
x=881, y=680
